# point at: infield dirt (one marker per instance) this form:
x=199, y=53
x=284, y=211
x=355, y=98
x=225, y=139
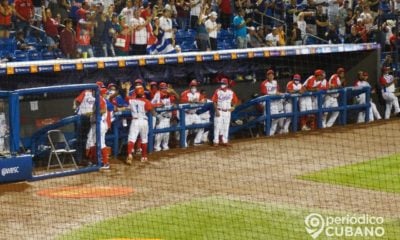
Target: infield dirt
x=259, y=169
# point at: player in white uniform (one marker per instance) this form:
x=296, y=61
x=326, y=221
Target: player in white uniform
x=224, y=100
x=270, y=87
x=387, y=82
x=336, y=81
x=292, y=87
x=163, y=98
x=139, y=107
x=192, y=96
x=105, y=123
x=205, y=116
x=308, y=103
x=361, y=99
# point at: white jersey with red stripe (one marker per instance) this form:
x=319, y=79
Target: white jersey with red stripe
x=387, y=79
x=191, y=97
x=323, y=85
x=224, y=98
x=311, y=83
x=162, y=99
x=86, y=102
x=293, y=87
x=361, y=84
x=139, y=107
x=269, y=87
x=335, y=82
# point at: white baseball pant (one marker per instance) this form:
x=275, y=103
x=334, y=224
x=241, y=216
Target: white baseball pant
x=329, y=102
x=288, y=120
x=276, y=108
x=162, y=139
x=373, y=111
x=221, y=126
x=91, y=137
x=391, y=101
x=193, y=118
x=138, y=127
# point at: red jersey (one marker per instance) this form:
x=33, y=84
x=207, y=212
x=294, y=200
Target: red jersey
x=24, y=8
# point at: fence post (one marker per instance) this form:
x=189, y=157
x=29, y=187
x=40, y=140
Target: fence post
x=14, y=110
x=182, y=124
x=98, y=122
x=150, y=142
x=295, y=112
x=267, y=112
x=320, y=112
x=343, y=104
x=116, y=135
x=368, y=103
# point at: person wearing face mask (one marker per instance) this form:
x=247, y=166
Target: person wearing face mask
x=270, y=87
x=165, y=98
x=292, y=87
x=192, y=95
x=225, y=101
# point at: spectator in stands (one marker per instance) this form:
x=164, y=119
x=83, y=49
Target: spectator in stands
x=281, y=35
x=354, y=37
x=322, y=23
x=68, y=40
x=51, y=27
x=361, y=30
x=139, y=34
x=291, y=11
x=302, y=25
x=20, y=40
x=225, y=11
x=61, y=7
x=331, y=35
x=108, y=35
x=84, y=29
x=24, y=13
x=172, y=6
x=253, y=39
x=202, y=35
x=183, y=10
x=341, y=18
x=81, y=12
x=349, y=21
x=195, y=10
x=98, y=30
x=272, y=38
x=166, y=26
x=333, y=9
x=212, y=28
x=367, y=18
x=122, y=41
x=296, y=35
x=127, y=11
x=6, y=12
x=240, y=29
x=310, y=8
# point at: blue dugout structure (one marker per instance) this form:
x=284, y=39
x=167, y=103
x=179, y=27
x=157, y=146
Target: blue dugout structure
x=18, y=167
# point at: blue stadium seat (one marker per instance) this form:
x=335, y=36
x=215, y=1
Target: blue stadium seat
x=188, y=46
x=192, y=33
x=20, y=56
x=48, y=55
x=34, y=55
x=58, y=53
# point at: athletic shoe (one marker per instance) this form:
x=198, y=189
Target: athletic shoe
x=105, y=166
x=144, y=159
x=305, y=128
x=165, y=148
x=157, y=149
x=129, y=159
x=198, y=144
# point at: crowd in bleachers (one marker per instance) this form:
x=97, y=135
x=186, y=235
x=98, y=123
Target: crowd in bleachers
x=50, y=29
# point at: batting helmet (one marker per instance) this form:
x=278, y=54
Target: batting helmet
x=318, y=72
x=139, y=90
x=163, y=85
x=193, y=83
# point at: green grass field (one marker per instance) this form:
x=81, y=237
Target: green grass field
x=209, y=219
x=382, y=174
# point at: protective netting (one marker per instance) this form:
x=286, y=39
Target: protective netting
x=321, y=182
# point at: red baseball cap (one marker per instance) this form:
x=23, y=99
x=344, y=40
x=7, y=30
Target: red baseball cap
x=139, y=81
x=163, y=85
x=224, y=80
x=340, y=70
x=193, y=83
x=103, y=91
x=365, y=74
x=319, y=72
x=100, y=84
x=296, y=77
x=270, y=72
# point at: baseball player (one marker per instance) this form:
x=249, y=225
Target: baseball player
x=336, y=81
x=105, y=123
x=270, y=87
x=163, y=98
x=205, y=116
x=225, y=101
x=311, y=84
x=139, y=107
x=294, y=86
x=361, y=99
x=192, y=95
x=387, y=82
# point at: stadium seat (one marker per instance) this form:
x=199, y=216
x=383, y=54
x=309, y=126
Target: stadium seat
x=20, y=56
x=48, y=55
x=34, y=55
x=58, y=53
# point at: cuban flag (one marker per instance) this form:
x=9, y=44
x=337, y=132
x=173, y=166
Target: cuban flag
x=160, y=45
